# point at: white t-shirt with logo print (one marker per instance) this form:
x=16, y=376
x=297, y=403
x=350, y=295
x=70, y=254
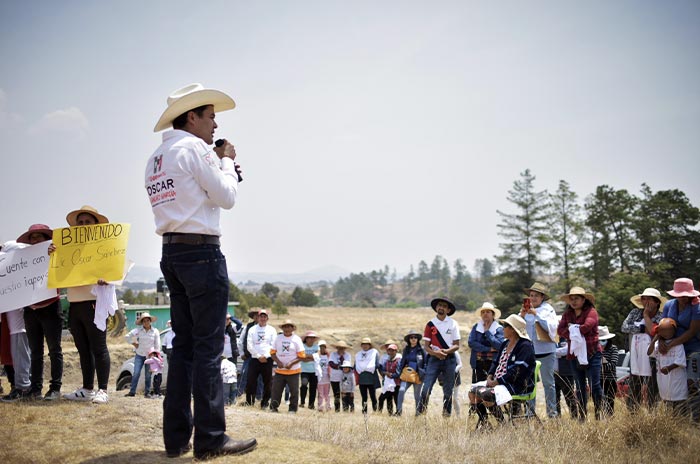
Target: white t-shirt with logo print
x=448, y=329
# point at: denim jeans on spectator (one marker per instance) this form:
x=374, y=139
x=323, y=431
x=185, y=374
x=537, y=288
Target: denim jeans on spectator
x=198, y=281
x=592, y=374
x=138, y=367
x=434, y=368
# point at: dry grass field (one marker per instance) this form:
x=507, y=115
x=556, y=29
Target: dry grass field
x=128, y=430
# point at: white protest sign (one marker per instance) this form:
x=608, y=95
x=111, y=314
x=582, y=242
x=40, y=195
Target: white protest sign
x=23, y=276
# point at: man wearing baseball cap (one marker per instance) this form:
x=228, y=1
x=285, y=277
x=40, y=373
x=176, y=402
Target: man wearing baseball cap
x=188, y=183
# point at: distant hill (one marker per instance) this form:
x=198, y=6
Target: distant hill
x=149, y=275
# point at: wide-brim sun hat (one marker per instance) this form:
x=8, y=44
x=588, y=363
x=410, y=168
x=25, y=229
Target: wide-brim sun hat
x=387, y=343
x=367, y=341
x=72, y=217
x=539, y=288
x=652, y=292
x=35, y=229
x=341, y=344
x=683, y=287
x=190, y=97
x=489, y=307
x=517, y=323
x=309, y=333
x=145, y=315
x=604, y=333
x=577, y=291
x=412, y=332
x=288, y=322
x=450, y=305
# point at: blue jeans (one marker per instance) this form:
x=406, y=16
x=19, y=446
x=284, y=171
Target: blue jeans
x=402, y=393
x=435, y=366
x=198, y=281
x=592, y=374
x=548, y=364
x=138, y=366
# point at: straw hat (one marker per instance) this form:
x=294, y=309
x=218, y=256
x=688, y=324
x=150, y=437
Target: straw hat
x=652, y=292
x=366, y=340
x=72, y=217
x=35, y=229
x=309, y=333
x=577, y=291
x=489, y=307
x=288, y=322
x=539, y=288
x=190, y=97
x=517, y=323
x=341, y=344
x=387, y=343
x=683, y=287
x=145, y=315
x=604, y=333
x=450, y=305
x=412, y=332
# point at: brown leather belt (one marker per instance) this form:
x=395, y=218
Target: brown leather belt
x=190, y=239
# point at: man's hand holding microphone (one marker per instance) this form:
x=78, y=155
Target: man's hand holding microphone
x=224, y=149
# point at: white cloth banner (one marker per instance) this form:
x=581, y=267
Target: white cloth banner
x=500, y=391
x=23, y=276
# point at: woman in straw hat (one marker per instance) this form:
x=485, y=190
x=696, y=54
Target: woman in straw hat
x=413, y=357
x=309, y=379
x=366, y=362
x=639, y=326
x=90, y=340
x=580, y=315
x=512, y=367
x=337, y=358
x=485, y=340
x=145, y=338
x=684, y=308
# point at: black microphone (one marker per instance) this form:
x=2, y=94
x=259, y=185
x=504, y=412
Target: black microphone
x=219, y=143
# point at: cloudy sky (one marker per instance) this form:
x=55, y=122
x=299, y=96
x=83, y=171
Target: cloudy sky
x=370, y=132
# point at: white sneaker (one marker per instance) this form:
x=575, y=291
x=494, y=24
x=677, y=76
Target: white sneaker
x=81, y=394
x=100, y=397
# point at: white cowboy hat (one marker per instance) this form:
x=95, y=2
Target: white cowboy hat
x=190, y=97
x=604, y=333
x=489, y=307
x=518, y=324
x=72, y=217
x=652, y=292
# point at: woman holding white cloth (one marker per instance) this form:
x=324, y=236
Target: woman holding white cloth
x=366, y=362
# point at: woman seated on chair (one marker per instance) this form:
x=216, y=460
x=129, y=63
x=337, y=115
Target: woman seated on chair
x=512, y=367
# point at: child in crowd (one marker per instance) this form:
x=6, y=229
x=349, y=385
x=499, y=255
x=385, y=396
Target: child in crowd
x=347, y=387
x=324, y=378
x=609, y=377
x=229, y=376
x=155, y=364
x=671, y=376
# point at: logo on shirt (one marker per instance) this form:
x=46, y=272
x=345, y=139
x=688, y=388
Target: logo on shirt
x=261, y=337
x=285, y=347
x=157, y=163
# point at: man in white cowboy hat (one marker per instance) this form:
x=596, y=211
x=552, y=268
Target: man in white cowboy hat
x=441, y=337
x=639, y=325
x=684, y=308
x=145, y=339
x=542, y=325
x=188, y=183
x=287, y=352
x=260, y=340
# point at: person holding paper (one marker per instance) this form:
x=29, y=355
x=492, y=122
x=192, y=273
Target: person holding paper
x=188, y=183
x=44, y=320
x=90, y=340
x=542, y=325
